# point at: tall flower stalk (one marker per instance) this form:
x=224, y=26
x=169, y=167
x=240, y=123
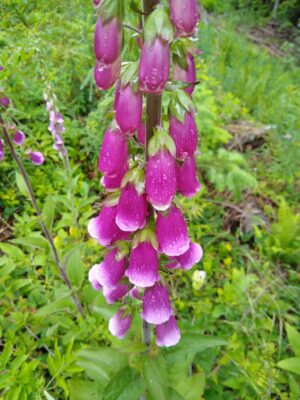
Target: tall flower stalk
x=143, y=167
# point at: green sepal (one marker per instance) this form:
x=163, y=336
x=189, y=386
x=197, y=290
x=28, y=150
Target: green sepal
x=109, y=9
x=161, y=140
x=112, y=199
x=180, y=49
x=158, y=24
x=180, y=103
x=137, y=177
x=130, y=74
x=145, y=235
x=123, y=249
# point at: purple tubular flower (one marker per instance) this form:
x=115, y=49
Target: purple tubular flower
x=188, y=259
x=129, y=106
x=188, y=75
x=185, y=135
x=114, y=293
x=184, y=15
x=107, y=74
x=141, y=133
x=143, y=265
x=36, y=157
x=107, y=40
x=187, y=181
x=96, y=3
x=4, y=101
x=168, y=333
x=131, y=209
x=171, y=232
x=156, y=305
x=93, y=277
x=119, y=324
x=110, y=271
x=19, y=138
x=104, y=227
x=161, y=180
x=154, y=66
x=111, y=183
x=113, y=154
x=1, y=150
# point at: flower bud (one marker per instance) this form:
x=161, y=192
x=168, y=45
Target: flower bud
x=107, y=74
x=185, y=135
x=119, y=324
x=187, y=181
x=104, y=227
x=188, y=259
x=36, y=157
x=93, y=278
x=143, y=265
x=131, y=209
x=114, y=293
x=171, y=232
x=156, y=305
x=154, y=66
x=186, y=75
x=168, y=333
x=107, y=40
x=110, y=271
x=1, y=150
x=184, y=15
x=128, y=109
x=114, y=153
x=4, y=101
x=19, y=138
x=161, y=179
x=96, y=3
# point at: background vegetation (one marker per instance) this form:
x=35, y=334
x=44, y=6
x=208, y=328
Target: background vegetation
x=246, y=216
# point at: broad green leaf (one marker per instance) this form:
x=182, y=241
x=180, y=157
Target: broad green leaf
x=84, y=390
x=21, y=184
x=294, y=338
x=49, y=211
x=5, y=355
x=290, y=364
x=12, y=251
x=33, y=241
x=75, y=269
x=174, y=395
x=192, y=388
x=124, y=385
x=55, y=307
x=155, y=378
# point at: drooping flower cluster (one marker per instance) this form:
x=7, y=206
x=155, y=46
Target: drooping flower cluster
x=144, y=231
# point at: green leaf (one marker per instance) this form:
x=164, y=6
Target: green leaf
x=75, y=269
x=192, y=388
x=130, y=73
x=84, y=390
x=21, y=184
x=158, y=24
x=155, y=378
x=49, y=212
x=290, y=364
x=5, y=355
x=154, y=145
x=48, y=396
x=294, y=338
x=36, y=242
x=12, y=251
x=124, y=385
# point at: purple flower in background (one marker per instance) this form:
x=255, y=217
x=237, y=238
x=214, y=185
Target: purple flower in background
x=186, y=75
x=107, y=40
x=185, y=135
x=143, y=265
x=114, y=153
x=187, y=181
x=156, y=305
x=93, y=277
x=96, y=3
x=128, y=106
x=114, y=293
x=131, y=209
x=119, y=324
x=4, y=101
x=107, y=74
x=110, y=271
x=36, y=157
x=185, y=16
x=161, y=179
x=154, y=66
x=171, y=232
x=104, y=227
x=19, y=138
x=1, y=150
x=168, y=333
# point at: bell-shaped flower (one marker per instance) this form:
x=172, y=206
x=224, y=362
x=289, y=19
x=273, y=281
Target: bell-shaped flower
x=168, y=333
x=141, y=133
x=19, y=138
x=187, y=181
x=93, y=278
x=1, y=150
x=114, y=153
x=143, y=265
x=131, y=209
x=4, y=101
x=110, y=183
x=156, y=305
x=161, y=179
x=107, y=74
x=185, y=135
x=154, y=66
x=111, y=270
x=128, y=107
x=188, y=259
x=187, y=75
x=184, y=15
x=114, y=293
x=36, y=157
x=104, y=227
x=171, y=232
x=107, y=40
x=119, y=324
